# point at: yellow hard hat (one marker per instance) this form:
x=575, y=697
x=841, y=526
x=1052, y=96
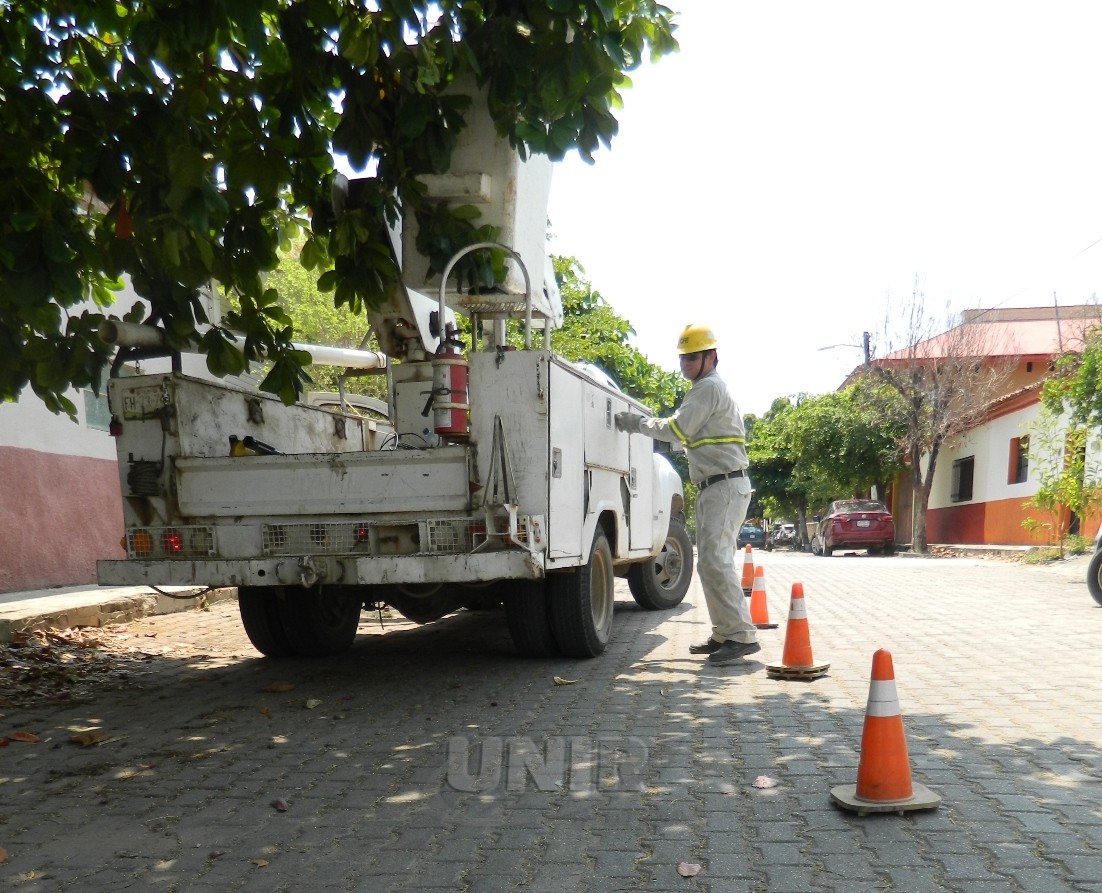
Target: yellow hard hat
x=696, y=338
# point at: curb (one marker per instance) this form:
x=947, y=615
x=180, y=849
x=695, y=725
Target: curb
x=96, y=608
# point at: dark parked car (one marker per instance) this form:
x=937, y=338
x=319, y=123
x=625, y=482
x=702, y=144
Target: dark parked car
x=751, y=535
x=855, y=524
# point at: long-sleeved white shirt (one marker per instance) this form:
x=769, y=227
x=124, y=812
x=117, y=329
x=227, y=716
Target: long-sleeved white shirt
x=709, y=424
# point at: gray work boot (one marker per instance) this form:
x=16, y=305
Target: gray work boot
x=729, y=652
x=709, y=647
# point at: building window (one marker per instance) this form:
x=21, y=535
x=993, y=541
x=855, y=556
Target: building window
x=97, y=415
x=963, y=470
x=1019, y=460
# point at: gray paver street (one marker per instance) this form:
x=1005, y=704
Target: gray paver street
x=432, y=758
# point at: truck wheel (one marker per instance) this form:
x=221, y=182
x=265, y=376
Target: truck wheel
x=662, y=583
x=1094, y=577
x=582, y=603
x=321, y=620
x=529, y=617
x=260, y=617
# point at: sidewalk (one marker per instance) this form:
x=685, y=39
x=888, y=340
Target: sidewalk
x=71, y=606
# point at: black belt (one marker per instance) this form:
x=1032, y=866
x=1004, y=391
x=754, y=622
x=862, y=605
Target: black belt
x=716, y=478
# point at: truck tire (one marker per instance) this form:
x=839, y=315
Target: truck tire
x=662, y=583
x=260, y=617
x=1094, y=577
x=529, y=617
x=582, y=603
x=321, y=620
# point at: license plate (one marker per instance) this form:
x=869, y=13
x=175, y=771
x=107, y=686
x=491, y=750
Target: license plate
x=863, y=523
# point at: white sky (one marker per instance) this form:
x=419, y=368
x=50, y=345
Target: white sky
x=789, y=173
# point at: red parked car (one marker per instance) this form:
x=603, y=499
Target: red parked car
x=855, y=524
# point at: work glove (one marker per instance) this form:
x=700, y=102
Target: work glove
x=626, y=421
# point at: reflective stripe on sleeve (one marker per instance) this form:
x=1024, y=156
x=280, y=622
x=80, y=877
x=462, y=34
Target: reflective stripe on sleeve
x=704, y=440
x=678, y=433
x=734, y=438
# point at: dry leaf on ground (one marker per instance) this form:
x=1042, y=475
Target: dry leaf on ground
x=89, y=737
x=558, y=680
x=764, y=781
x=25, y=737
x=688, y=869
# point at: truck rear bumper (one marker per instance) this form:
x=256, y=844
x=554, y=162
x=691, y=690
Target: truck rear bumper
x=376, y=570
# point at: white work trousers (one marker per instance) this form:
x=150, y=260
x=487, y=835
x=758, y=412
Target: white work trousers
x=720, y=511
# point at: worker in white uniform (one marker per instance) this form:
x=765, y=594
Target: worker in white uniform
x=710, y=426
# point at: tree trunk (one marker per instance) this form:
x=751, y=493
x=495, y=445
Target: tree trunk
x=921, y=496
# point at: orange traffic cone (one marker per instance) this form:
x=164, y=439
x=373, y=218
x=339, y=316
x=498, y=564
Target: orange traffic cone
x=796, y=661
x=759, y=607
x=748, y=571
x=884, y=773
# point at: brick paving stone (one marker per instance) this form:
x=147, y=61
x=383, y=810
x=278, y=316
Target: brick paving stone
x=1085, y=867
x=966, y=867
x=792, y=879
x=848, y=868
x=1039, y=880
x=911, y=880
x=773, y=853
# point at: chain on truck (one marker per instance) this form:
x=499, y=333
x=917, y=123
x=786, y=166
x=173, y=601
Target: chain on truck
x=497, y=480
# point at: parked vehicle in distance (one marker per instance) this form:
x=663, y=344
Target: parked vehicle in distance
x=781, y=534
x=1094, y=570
x=855, y=524
x=752, y=535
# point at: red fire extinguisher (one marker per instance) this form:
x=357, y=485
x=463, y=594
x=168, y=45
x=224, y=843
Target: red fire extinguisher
x=449, y=387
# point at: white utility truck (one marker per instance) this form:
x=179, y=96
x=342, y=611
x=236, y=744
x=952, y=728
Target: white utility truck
x=499, y=478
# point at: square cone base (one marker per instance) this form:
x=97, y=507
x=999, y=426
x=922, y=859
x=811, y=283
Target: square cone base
x=846, y=797
x=782, y=671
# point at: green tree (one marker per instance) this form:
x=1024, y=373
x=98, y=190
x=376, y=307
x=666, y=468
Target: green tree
x=317, y=321
x=848, y=443
x=1067, y=484
x=808, y=451
x=1076, y=386
x=177, y=144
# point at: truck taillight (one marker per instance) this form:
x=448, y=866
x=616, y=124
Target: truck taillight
x=142, y=542
x=173, y=542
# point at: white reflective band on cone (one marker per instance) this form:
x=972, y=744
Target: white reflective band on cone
x=883, y=700
x=797, y=610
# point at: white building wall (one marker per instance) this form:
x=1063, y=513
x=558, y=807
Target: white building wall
x=989, y=444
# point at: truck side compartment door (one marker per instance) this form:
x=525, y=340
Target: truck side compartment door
x=566, y=481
